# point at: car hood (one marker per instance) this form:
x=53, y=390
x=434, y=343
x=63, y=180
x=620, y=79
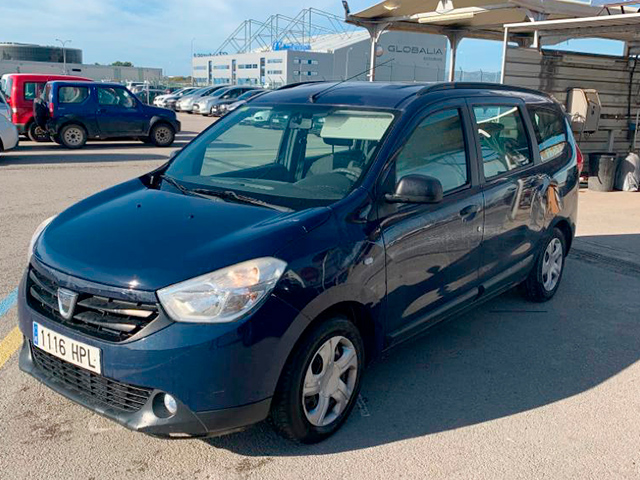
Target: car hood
x=133, y=236
x=159, y=111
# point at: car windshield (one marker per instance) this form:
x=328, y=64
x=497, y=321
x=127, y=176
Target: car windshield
x=249, y=94
x=287, y=155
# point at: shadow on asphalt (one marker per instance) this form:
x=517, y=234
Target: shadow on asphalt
x=506, y=357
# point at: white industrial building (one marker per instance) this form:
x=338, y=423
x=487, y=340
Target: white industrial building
x=273, y=56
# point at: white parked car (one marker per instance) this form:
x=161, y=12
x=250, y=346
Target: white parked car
x=8, y=134
x=5, y=109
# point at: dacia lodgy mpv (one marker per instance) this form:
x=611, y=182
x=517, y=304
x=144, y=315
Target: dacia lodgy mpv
x=260, y=270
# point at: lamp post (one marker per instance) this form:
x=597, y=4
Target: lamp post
x=191, y=61
x=64, y=54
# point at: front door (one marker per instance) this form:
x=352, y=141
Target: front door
x=119, y=113
x=432, y=250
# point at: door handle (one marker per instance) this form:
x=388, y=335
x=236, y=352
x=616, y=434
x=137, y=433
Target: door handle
x=469, y=210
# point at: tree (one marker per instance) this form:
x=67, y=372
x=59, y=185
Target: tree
x=122, y=64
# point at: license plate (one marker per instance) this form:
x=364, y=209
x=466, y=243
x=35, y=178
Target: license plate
x=65, y=348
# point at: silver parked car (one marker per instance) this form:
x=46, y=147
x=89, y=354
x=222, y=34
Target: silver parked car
x=8, y=134
x=185, y=104
x=169, y=100
x=5, y=109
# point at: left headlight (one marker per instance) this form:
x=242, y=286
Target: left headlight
x=36, y=236
x=224, y=295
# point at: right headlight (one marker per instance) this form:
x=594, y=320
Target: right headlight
x=224, y=295
x=36, y=236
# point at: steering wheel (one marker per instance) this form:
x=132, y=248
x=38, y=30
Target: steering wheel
x=350, y=174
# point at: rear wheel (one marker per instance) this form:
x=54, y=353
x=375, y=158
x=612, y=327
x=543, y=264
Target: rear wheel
x=544, y=279
x=37, y=134
x=320, y=383
x=73, y=136
x=162, y=135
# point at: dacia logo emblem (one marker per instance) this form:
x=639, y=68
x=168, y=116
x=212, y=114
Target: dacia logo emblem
x=66, y=302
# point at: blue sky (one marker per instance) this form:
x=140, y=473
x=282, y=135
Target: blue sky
x=158, y=33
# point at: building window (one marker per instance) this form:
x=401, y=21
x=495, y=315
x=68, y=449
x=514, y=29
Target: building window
x=221, y=67
x=200, y=67
x=274, y=60
x=305, y=62
x=308, y=74
x=274, y=72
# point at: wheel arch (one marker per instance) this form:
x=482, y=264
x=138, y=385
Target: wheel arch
x=564, y=226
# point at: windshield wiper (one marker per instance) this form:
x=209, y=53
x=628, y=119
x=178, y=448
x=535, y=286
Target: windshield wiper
x=233, y=196
x=224, y=195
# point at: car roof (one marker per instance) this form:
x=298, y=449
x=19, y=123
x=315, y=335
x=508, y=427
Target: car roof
x=395, y=95
x=86, y=83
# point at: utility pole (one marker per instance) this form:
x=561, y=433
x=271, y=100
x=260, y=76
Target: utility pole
x=64, y=54
x=346, y=66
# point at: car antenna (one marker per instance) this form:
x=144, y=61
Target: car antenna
x=315, y=96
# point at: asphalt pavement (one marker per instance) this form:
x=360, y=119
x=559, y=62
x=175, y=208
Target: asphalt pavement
x=511, y=390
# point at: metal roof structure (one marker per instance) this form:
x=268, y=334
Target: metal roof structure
x=293, y=32
x=484, y=19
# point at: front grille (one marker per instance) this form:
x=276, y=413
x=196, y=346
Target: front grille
x=100, y=317
x=120, y=396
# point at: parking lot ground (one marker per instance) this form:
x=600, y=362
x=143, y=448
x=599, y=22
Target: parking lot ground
x=512, y=390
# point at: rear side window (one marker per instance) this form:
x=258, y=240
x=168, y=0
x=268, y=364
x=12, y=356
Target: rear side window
x=503, y=139
x=115, y=97
x=437, y=149
x=551, y=133
x=73, y=94
x=32, y=90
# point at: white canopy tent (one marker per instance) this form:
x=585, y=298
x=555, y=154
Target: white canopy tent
x=484, y=19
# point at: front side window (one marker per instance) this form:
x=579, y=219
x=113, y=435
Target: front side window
x=72, y=94
x=436, y=148
x=503, y=139
x=551, y=133
x=115, y=97
x=293, y=156
x=32, y=90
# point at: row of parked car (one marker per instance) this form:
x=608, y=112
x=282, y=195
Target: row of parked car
x=71, y=110
x=212, y=101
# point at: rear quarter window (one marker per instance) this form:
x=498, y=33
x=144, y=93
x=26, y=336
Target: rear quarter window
x=551, y=133
x=72, y=94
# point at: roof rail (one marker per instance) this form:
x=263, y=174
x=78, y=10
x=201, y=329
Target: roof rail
x=297, y=84
x=478, y=85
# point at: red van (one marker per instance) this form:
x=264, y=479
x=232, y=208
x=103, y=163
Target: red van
x=21, y=89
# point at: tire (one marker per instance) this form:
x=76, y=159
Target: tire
x=73, y=136
x=162, y=134
x=37, y=134
x=542, y=283
x=313, y=417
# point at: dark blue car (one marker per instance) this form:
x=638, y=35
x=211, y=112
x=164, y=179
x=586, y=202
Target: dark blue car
x=74, y=112
x=259, y=271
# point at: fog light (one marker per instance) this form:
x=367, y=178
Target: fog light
x=170, y=404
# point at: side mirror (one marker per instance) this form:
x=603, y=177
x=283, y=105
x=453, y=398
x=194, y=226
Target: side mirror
x=416, y=189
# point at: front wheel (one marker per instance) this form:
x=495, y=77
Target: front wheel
x=544, y=279
x=320, y=382
x=37, y=134
x=162, y=135
x=73, y=136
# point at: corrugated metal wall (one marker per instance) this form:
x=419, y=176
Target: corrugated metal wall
x=556, y=72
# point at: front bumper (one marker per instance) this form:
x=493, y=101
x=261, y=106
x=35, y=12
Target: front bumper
x=222, y=376
x=185, y=423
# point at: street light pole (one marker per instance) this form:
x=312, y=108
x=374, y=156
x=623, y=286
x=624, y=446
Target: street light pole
x=64, y=54
x=191, y=61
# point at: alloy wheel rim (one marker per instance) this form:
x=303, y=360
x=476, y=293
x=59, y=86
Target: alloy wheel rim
x=162, y=134
x=552, y=264
x=73, y=136
x=330, y=381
